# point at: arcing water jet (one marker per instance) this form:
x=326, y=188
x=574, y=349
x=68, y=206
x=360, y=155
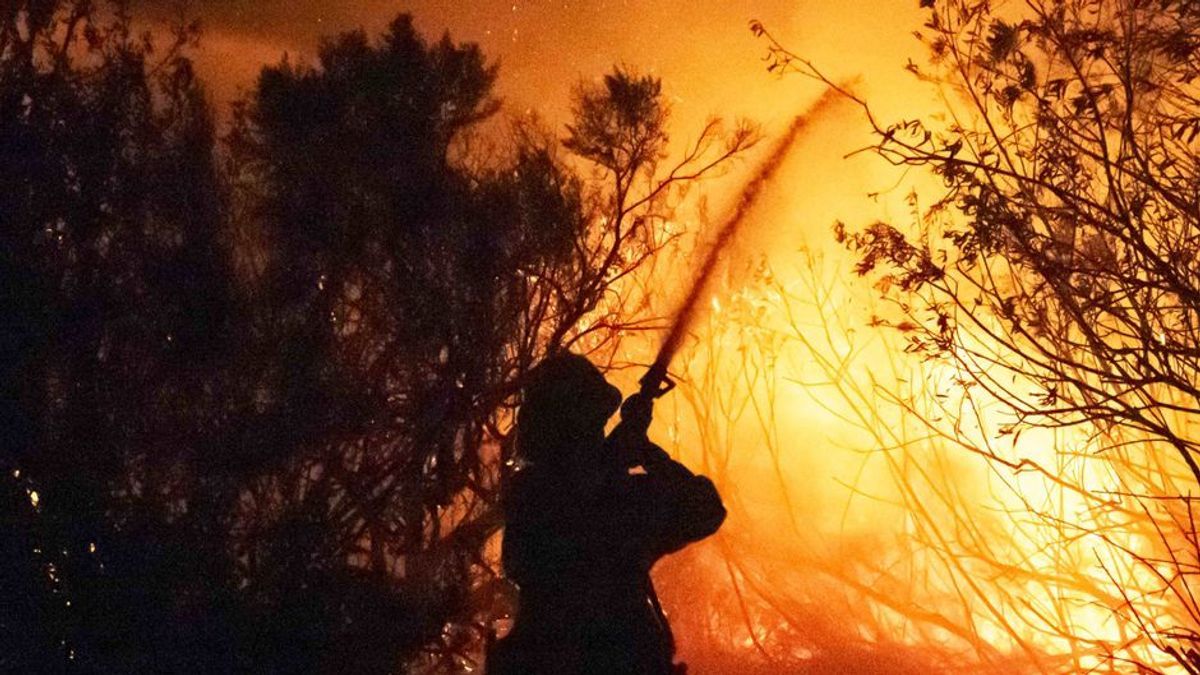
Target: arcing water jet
x=655, y=382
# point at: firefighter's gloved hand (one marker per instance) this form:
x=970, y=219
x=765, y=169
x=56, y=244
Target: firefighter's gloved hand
x=637, y=411
x=654, y=456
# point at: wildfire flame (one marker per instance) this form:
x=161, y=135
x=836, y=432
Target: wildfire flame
x=884, y=518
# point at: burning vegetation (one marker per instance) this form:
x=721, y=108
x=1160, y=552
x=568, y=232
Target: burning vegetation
x=1026, y=416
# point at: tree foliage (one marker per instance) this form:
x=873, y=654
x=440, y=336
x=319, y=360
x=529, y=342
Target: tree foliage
x=258, y=389
x=1057, y=269
x=1075, y=180
x=114, y=293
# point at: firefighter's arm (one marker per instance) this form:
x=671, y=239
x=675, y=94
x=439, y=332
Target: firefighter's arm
x=690, y=504
x=664, y=504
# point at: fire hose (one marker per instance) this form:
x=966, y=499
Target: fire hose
x=656, y=381
x=636, y=410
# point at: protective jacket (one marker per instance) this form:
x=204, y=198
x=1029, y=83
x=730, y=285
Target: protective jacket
x=582, y=557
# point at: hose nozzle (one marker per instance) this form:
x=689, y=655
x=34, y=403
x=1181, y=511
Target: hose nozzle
x=655, y=382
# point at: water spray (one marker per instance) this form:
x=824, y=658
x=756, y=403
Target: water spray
x=636, y=411
x=656, y=381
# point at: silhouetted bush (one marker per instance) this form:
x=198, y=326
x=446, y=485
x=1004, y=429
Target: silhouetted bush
x=257, y=392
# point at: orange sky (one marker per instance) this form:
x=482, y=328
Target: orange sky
x=708, y=59
x=702, y=48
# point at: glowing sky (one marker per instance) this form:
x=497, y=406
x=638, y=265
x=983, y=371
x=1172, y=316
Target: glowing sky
x=708, y=59
x=702, y=48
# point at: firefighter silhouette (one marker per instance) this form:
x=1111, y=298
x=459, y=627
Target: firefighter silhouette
x=586, y=519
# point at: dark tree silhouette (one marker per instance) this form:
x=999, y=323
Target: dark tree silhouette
x=412, y=286
x=114, y=295
x=257, y=393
